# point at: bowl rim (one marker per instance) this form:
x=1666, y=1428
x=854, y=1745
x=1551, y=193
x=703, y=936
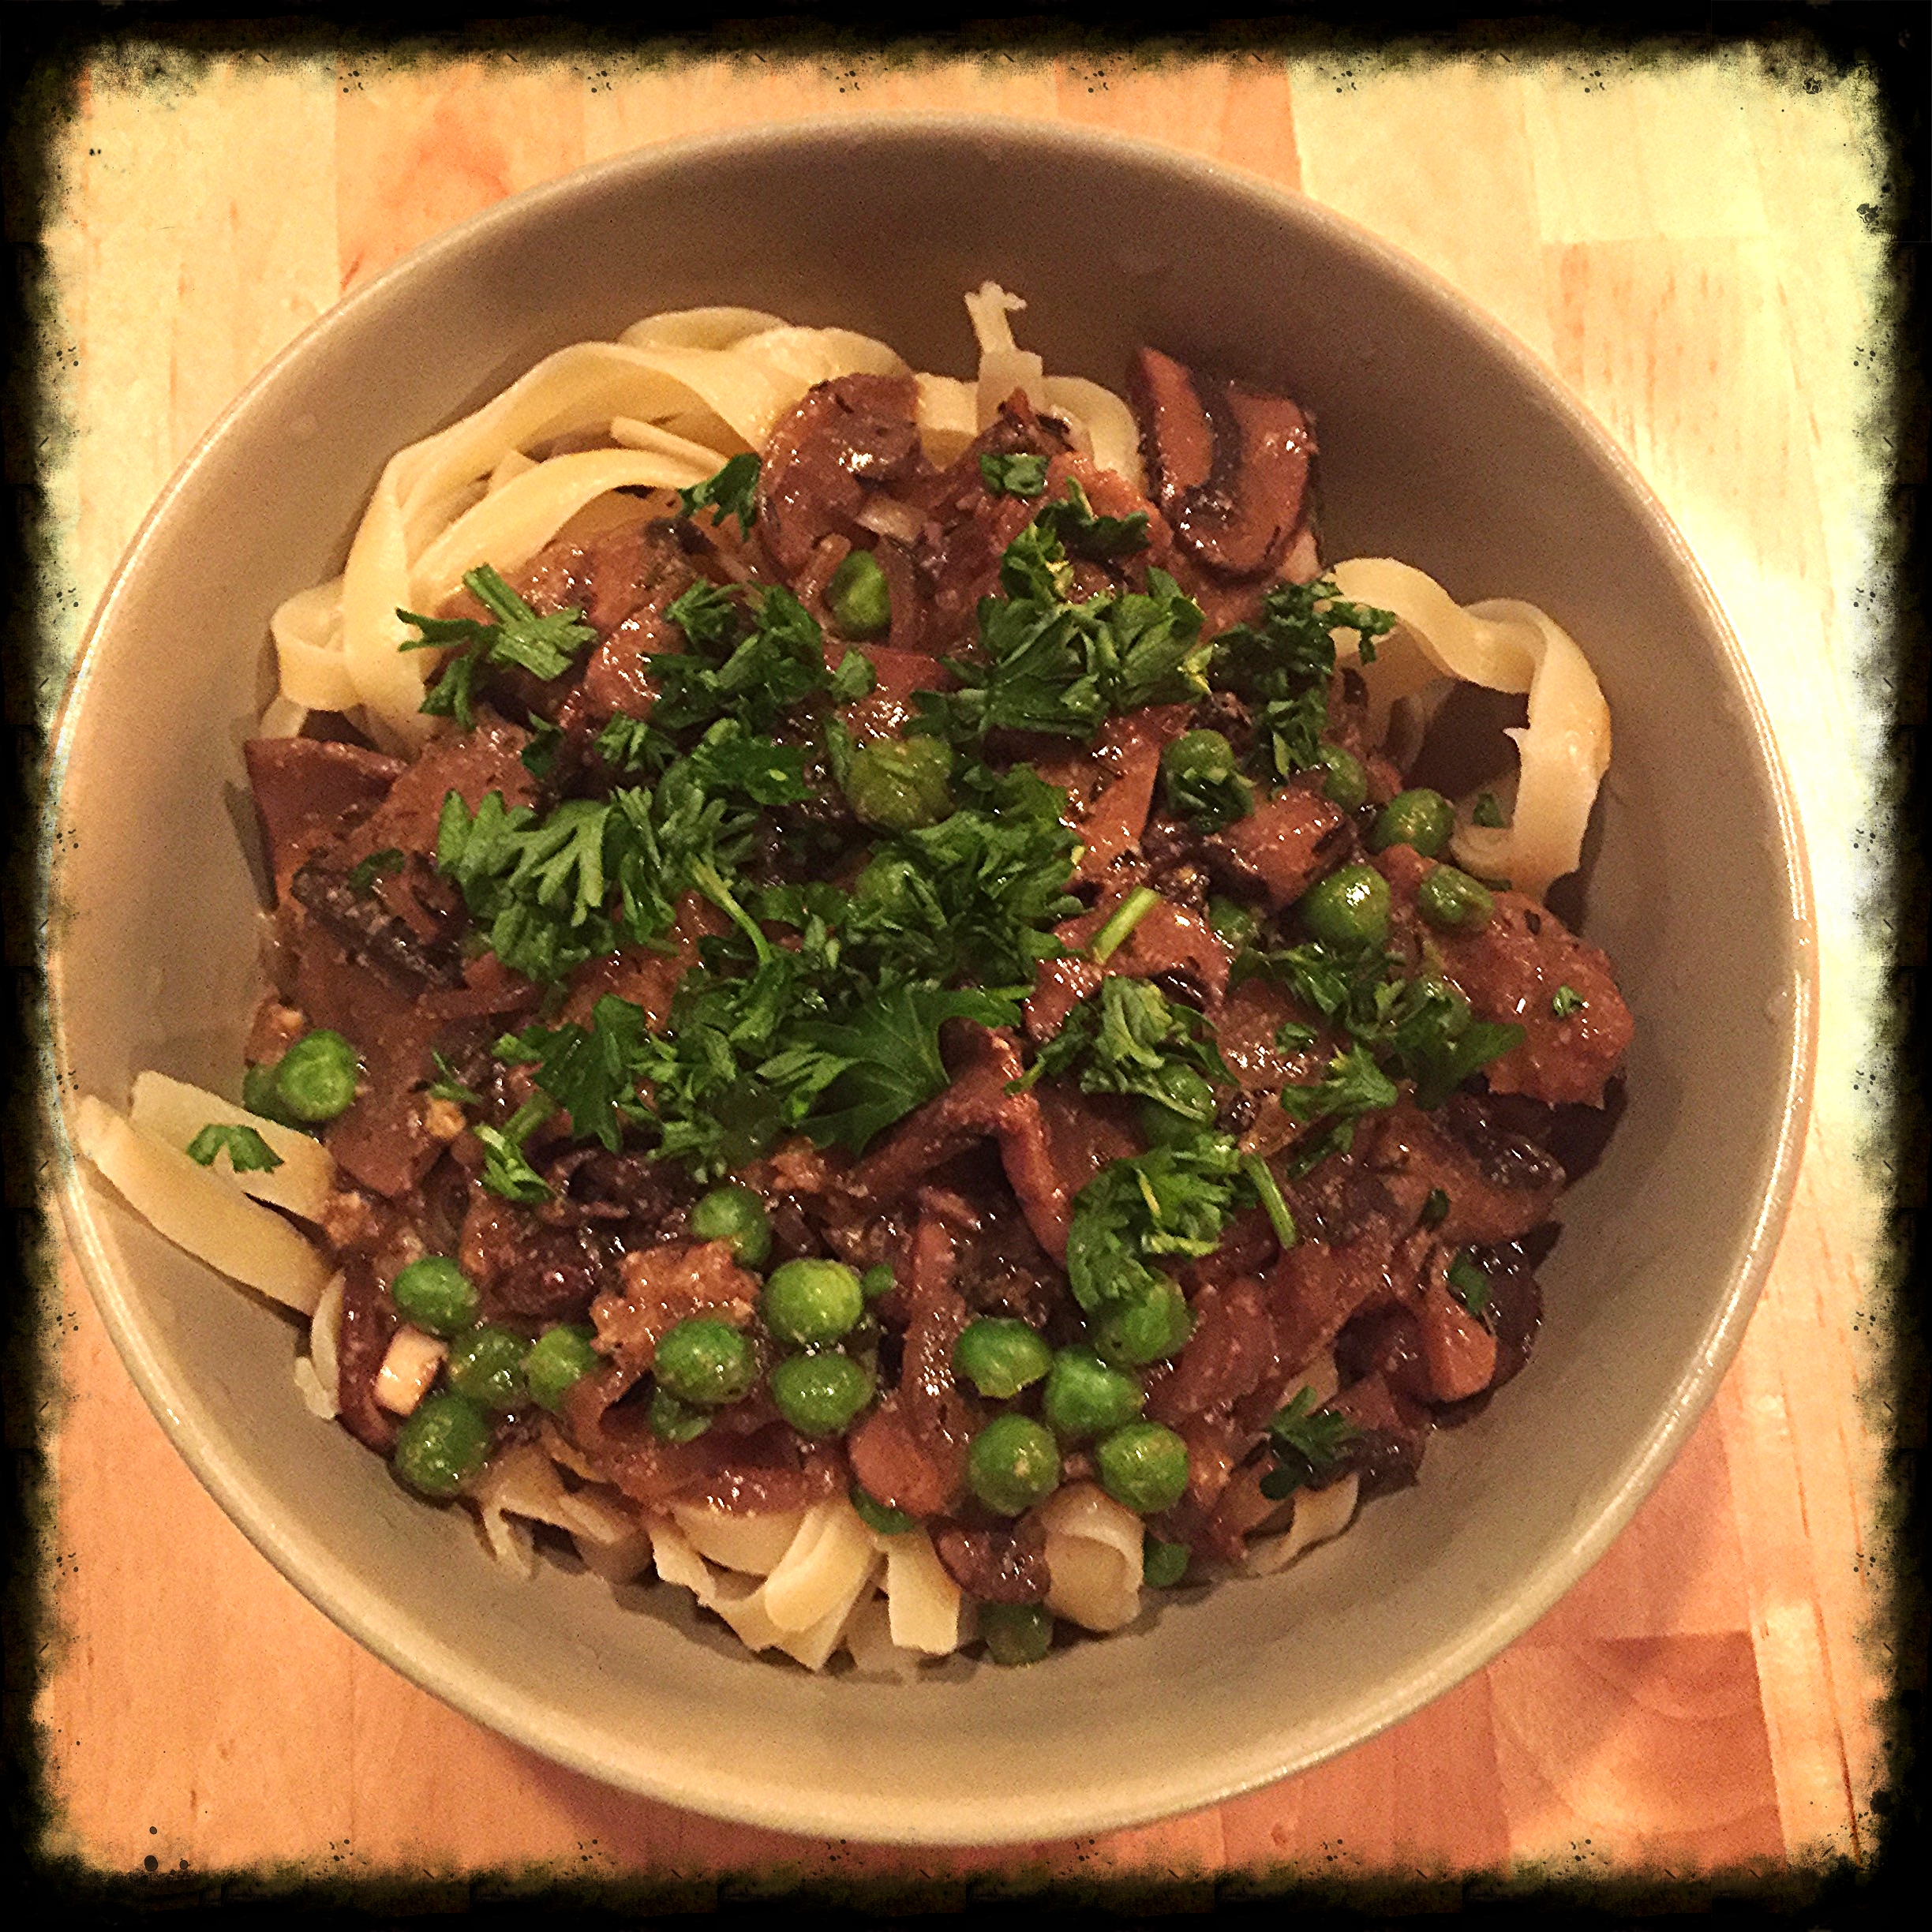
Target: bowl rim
x=334, y=1588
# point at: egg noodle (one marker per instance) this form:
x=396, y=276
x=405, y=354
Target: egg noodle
x=664, y=407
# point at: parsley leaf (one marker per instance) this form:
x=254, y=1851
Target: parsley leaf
x=1486, y=811
x=847, y=1079
x=733, y=492
x=1308, y=1441
x=1051, y=665
x=505, y=1170
x=1566, y=1000
x=1469, y=1283
x=590, y=1071
x=1172, y=1201
x=755, y=673
x=1018, y=475
x=546, y=647
x=1281, y=667
x=1354, y=1086
x=248, y=1152
x=1129, y=1038
x=628, y=744
x=1071, y=518
x=448, y=1086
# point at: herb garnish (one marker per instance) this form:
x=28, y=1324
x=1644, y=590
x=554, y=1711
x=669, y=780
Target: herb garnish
x=1021, y=474
x=248, y=1152
x=1469, y=1283
x=546, y=647
x=1130, y=1038
x=1566, y=1000
x=1486, y=811
x=1053, y=665
x=733, y=491
x=1308, y=1441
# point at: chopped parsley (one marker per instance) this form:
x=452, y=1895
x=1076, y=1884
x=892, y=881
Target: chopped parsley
x=1281, y=667
x=1469, y=1283
x=1072, y=518
x=248, y=1152
x=546, y=647
x=1566, y=1000
x=1130, y=1038
x=448, y=1086
x=1354, y=1086
x=1487, y=812
x=1048, y=663
x=1022, y=474
x=1308, y=1442
x=733, y=491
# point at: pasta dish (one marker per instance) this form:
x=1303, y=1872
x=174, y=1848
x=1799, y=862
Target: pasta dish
x=862, y=1010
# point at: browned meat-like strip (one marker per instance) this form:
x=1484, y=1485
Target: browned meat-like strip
x=1497, y=1185
x=996, y=1566
x=1459, y=1350
x=1231, y=1349
x=369, y=1321
x=911, y=1452
x=385, y=938
x=1394, y=1432
x=310, y=792
x=1229, y=464
x=845, y=436
x=1169, y=940
x=1315, y=1288
x=1511, y=971
x=1283, y=846
x=1131, y=745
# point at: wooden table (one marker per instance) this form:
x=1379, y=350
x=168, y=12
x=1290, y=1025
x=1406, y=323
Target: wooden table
x=1681, y=246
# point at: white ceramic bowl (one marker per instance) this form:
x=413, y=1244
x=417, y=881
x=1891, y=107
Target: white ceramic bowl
x=1443, y=443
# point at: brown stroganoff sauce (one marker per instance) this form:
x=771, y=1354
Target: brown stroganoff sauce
x=1399, y=1241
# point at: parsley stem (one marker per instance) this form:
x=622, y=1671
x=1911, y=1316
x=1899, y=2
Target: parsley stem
x=710, y=881
x=1268, y=1191
x=1125, y=917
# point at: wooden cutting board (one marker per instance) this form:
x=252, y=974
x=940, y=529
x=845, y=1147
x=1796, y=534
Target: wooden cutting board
x=1682, y=246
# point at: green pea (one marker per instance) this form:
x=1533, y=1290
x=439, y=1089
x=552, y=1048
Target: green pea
x=1084, y=1397
x=1148, y=1329
x=1420, y=818
x=675, y=1421
x=1000, y=1356
x=859, y=599
x=260, y=1094
x=1144, y=1467
x=1162, y=1565
x=1013, y=1463
x=881, y=1516
x=442, y=1444
x=1346, y=783
x=436, y=1295
x=1454, y=900
x=1020, y=1633
x=900, y=784
x=316, y=1078
x=560, y=1358
x=1235, y=925
x=737, y=1215
x=808, y=1303
x=1202, y=785
x=704, y=1362
x=1349, y=908
x=487, y=1365
x=876, y=1281
x=819, y=1395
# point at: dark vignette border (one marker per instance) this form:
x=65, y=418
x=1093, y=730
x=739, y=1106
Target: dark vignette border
x=48, y=46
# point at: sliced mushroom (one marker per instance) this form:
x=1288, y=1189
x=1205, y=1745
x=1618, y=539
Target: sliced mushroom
x=1229, y=464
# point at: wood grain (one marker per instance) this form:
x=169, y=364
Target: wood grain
x=1680, y=244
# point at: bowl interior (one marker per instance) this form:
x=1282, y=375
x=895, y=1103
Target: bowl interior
x=1441, y=445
